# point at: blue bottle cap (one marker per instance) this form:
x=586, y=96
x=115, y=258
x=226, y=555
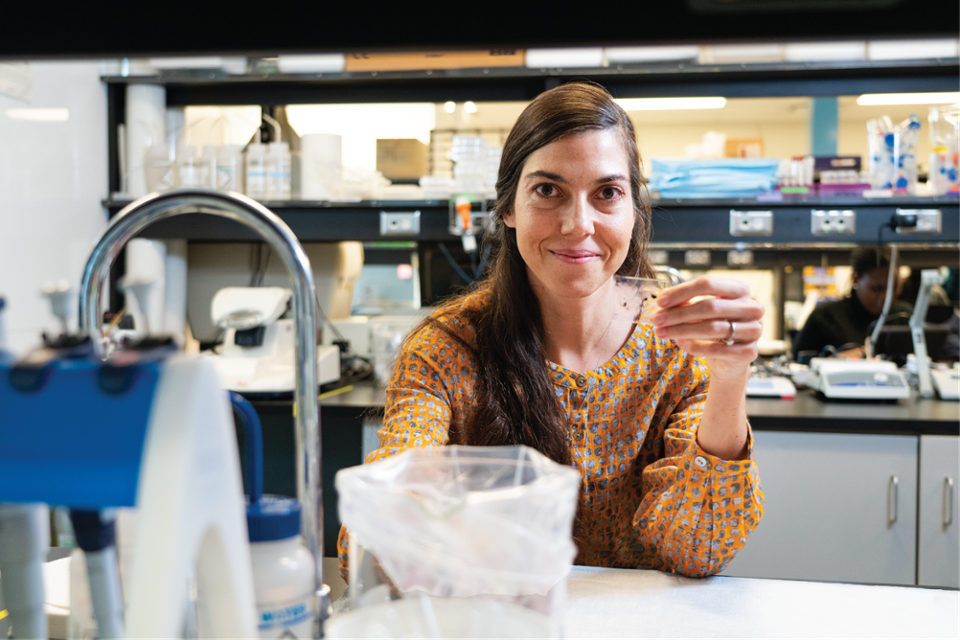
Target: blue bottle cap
x=273, y=518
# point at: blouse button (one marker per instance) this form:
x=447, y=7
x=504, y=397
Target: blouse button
x=581, y=381
x=701, y=462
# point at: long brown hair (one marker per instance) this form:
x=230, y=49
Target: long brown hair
x=517, y=403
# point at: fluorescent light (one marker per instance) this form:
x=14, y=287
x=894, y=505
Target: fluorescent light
x=562, y=58
x=470, y=107
x=908, y=98
x=320, y=63
x=650, y=54
x=669, y=104
x=39, y=115
x=912, y=49
x=824, y=51
x=450, y=106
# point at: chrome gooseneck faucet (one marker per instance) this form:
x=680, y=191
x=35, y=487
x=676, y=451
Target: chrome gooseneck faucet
x=144, y=212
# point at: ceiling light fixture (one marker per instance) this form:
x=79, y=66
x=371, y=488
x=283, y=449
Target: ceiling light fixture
x=908, y=98
x=669, y=104
x=450, y=106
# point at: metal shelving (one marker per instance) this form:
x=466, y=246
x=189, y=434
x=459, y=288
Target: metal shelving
x=676, y=223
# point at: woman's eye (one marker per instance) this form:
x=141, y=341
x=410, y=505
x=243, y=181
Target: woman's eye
x=546, y=190
x=610, y=193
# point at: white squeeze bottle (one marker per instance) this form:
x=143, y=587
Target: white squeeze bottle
x=284, y=573
x=256, y=174
x=278, y=171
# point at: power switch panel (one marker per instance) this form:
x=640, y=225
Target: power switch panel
x=833, y=222
x=918, y=220
x=751, y=223
x=396, y=223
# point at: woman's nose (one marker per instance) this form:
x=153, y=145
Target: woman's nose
x=578, y=217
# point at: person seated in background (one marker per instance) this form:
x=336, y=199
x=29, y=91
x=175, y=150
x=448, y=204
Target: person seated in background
x=841, y=327
x=951, y=347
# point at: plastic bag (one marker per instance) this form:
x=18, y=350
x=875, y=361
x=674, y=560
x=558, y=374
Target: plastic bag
x=464, y=521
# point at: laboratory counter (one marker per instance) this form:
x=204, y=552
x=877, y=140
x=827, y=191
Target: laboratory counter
x=622, y=603
x=805, y=412
x=350, y=418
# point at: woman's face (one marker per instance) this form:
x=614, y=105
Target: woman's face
x=872, y=289
x=573, y=213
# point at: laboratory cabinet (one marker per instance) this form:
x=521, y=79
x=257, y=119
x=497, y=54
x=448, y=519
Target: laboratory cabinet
x=838, y=507
x=938, y=544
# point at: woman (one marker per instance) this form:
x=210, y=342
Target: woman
x=534, y=355
x=844, y=325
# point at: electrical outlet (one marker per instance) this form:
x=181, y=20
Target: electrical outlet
x=824, y=223
x=751, y=223
x=698, y=257
x=918, y=220
x=656, y=256
x=397, y=223
x=740, y=258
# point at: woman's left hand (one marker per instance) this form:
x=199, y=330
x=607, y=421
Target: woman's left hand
x=714, y=318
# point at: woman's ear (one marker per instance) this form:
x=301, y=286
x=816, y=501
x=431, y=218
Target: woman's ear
x=507, y=217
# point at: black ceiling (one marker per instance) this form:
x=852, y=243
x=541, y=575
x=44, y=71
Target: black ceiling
x=32, y=30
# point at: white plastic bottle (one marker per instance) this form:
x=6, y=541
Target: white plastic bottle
x=283, y=569
x=188, y=169
x=230, y=168
x=256, y=170
x=278, y=171
x=208, y=167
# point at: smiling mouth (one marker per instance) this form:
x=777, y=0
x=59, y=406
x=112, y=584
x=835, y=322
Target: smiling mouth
x=574, y=257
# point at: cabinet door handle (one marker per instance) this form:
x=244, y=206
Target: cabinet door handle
x=893, y=488
x=947, y=501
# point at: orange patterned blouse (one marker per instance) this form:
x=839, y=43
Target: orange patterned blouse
x=651, y=498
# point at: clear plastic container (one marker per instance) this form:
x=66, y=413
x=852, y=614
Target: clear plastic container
x=158, y=168
x=426, y=617
x=230, y=168
x=893, y=160
x=944, y=123
x=457, y=524
x=256, y=170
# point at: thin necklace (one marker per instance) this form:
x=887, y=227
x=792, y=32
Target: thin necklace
x=600, y=343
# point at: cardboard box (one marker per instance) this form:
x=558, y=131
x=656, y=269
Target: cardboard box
x=402, y=159
x=744, y=148
x=412, y=61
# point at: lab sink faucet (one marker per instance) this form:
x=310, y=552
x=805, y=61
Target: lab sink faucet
x=139, y=215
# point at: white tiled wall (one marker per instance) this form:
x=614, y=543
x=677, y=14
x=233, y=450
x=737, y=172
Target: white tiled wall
x=53, y=176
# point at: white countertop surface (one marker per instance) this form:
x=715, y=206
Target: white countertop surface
x=621, y=603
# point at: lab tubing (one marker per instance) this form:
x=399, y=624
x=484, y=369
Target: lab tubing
x=139, y=215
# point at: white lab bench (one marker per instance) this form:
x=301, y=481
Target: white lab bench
x=624, y=603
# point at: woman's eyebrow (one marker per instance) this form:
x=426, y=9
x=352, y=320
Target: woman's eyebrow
x=614, y=177
x=556, y=177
